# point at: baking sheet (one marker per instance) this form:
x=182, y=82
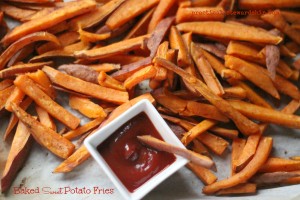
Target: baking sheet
x=88, y=181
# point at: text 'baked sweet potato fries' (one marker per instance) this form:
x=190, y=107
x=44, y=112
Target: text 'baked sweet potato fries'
x=216, y=69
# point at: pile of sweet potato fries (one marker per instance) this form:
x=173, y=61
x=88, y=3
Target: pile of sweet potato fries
x=211, y=65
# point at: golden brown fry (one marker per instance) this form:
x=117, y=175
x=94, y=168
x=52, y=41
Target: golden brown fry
x=47, y=21
x=113, y=49
x=108, y=81
x=42, y=99
x=22, y=68
x=245, y=33
x=16, y=46
x=78, y=85
x=163, y=146
x=127, y=11
x=252, y=73
x=264, y=149
x=245, y=125
x=45, y=136
x=84, y=129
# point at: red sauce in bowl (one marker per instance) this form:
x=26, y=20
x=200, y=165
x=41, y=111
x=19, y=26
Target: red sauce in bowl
x=133, y=163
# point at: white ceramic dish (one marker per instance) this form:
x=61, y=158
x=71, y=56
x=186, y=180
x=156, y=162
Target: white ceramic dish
x=101, y=135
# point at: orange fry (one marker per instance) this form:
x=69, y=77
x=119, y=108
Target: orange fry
x=16, y=97
x=137, y=77
x=241, y=189
x=205, y=175
x=78, y=85
x=45, y=136
x=245, y=33
x=216, y=144
x=238, y=144
x=108, y=81
x=47, y=21
x=263, y=151
x=45, y=118
x=33, y=91
x=279, y=164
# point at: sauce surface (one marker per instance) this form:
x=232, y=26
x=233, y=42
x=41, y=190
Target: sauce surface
x=132, y=162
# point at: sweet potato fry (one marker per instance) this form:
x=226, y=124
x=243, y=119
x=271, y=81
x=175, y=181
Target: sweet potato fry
x=75, y=84
x=82, y=154
x=205, y=175
x=43, y=82
x=238, y=144
x=113, y=49
x=160, y=12
x=86, y=107
x=152, y=44
x=42, y=99
x=140, y=28
x=273, y=177
x=17, y=156
x=199, y=14
x=45, y=118
x=280, y=165
x=198, y=147
x=105, y=67
x=291, y=17
x=284, y=51
x=297, y=64
x=266, y=114
x=214, y=143
x=5, y=94
x=224, y=132
x=207, y=72
x=127, y=11
x=197, y=130
x=217, y=49
x=6, y=83
x=14, y=119
x=272, y=59
x=61, y=14
x=16, y=97
x=252, y=73
x=235, y=92
x=108, y=81
x=263, y=151
x=137, y=77
x=80, y=71
x=94, y=17
x=245, y=125
x=278, y=21
x=187, y=108
x=253, y=140
x=241, y=189
x=181, y=122
x=257, y=4
x=92, y=37
x=245, y=33
x=16, y=12
x=163, y=146
x=84, y=129
x=16, y=46
x=22, y=68
x=45, y=136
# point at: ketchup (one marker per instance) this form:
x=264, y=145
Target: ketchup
x=132, y=162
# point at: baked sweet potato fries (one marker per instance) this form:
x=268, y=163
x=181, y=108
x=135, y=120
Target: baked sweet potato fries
x=216, y=70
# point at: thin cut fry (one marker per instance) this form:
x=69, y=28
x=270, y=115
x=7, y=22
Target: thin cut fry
x=243, y=188
x=17, y=156
x=16, y=97
x=245, y=33
x=263, y=151
x=214, y=143
x=108, y=81
x=84, y=87
x=197, y=130
x=224, y=132
x=86, y=107
x=45, y=118
x=163, y=146
x=14, y=119
x=43, y=100
x=280, y=165
x=45, y=136
x=205, y=175
x=47, y=21
x=137, y=77
x=83, y=129
x=16, y=46
x=245, y=125
x=127, y=11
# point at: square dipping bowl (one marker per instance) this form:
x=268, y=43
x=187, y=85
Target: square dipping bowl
x=93, y=141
